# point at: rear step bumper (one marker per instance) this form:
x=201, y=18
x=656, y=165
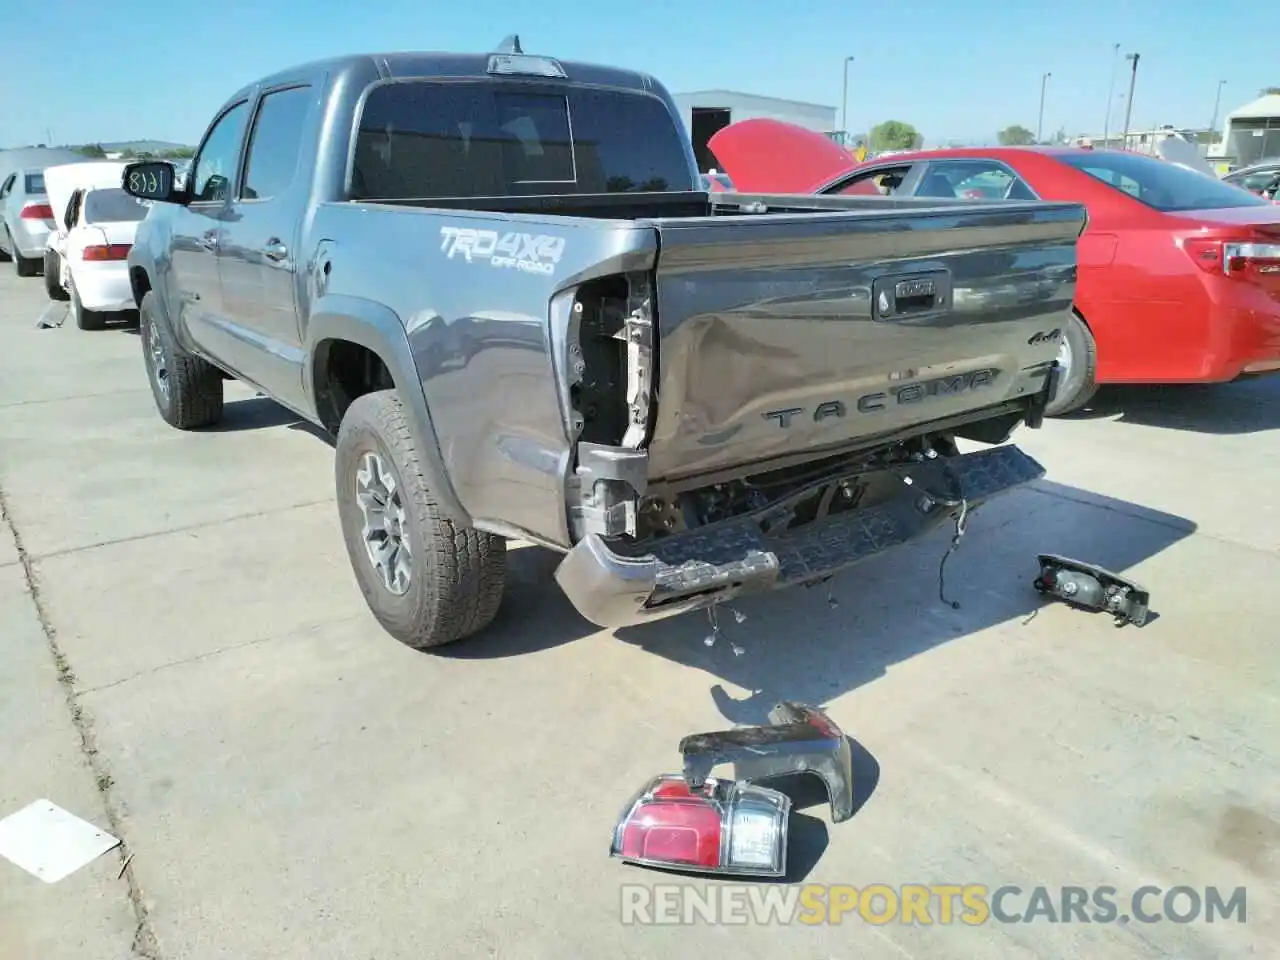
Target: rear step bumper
x=709, y=565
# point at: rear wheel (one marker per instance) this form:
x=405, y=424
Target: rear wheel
x=24, y=266
x=1078, y=362
x=52, y=276
x=85, y=319
x=427, y=580
x=186, y=388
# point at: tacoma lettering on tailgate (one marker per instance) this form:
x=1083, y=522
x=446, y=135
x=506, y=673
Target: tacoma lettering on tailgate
x=529, y=253
x=895, y=396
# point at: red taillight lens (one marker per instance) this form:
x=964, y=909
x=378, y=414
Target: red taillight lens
x=722, y=827
x=37, y=211
x=113, y=251
x=1245, y=259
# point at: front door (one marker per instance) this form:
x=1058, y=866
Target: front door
x=258, y=256
x=197, y=230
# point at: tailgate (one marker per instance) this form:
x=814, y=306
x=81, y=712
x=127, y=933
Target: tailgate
x=785, y=333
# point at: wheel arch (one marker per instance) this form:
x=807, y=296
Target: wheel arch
x=342, y=328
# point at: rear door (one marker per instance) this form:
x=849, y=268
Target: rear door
x=258, y=256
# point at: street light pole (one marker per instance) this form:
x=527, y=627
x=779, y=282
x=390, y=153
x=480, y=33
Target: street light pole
x=1217, y=102
x=844, y=103
x=1128, y=107
x=1111, y=93
x=1044, y=82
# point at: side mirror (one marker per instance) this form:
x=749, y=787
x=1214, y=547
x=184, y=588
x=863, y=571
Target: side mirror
x=151, y=180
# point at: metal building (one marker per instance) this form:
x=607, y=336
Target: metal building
x=707, y=111
x=1252, y=132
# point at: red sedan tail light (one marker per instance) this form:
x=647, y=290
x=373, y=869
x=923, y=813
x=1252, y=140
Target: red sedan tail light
x=37, y=211
x=101, y=252
x=1245, y=259
x=721, y=827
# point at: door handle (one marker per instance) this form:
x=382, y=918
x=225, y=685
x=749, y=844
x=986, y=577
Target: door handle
x=275, y=250
x=209, y=241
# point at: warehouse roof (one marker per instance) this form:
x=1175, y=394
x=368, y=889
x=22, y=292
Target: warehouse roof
x=1268, y=106
x=739, y=95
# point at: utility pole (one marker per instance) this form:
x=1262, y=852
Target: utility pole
x=1217, y=102
x=1128, y=107
x=1044, y=82
x=1111, y=93
x=844, y=104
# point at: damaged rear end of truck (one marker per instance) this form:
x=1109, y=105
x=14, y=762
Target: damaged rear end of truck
x=775, y=392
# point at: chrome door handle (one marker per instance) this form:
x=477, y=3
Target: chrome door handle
x=209, y=241
x=275, y=250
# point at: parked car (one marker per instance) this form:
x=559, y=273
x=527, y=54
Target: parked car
x=1179, y=272
x=86, y=258
x=1260, y=178
x=25, y=216
x=495, y=280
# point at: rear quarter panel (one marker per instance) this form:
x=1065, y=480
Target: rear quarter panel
x=483, y=329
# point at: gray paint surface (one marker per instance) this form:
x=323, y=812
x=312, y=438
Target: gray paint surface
x=293, y=783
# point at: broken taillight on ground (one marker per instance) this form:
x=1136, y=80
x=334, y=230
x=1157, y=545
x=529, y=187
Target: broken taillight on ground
x=721, y=826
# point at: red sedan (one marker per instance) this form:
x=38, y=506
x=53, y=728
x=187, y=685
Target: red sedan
x=1179, y=273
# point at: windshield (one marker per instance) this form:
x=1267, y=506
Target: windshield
x=112, y=205
x=421, y=139
x=34, y=183
x=1157, y=183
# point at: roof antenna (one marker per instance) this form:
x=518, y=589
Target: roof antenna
x=510, y=44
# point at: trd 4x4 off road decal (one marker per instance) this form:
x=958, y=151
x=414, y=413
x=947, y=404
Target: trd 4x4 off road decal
x=529, y=253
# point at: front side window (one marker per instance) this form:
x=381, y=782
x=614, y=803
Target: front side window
x=882, y=183
x=214, y=169
x=112, y=205
x=423, y=139
x=1160, y=184
x=276, y=143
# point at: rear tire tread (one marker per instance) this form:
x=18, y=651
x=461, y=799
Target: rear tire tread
x=195, y=385
x=1085, y=357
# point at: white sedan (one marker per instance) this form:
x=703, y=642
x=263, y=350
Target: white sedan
x=86, y=259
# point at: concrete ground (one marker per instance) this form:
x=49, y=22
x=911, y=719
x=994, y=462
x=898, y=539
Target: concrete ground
x=188, y=662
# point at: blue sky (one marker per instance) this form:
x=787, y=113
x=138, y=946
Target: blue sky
x=953, y=69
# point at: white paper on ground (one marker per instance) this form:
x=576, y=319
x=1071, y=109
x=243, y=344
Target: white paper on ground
x=50, y=843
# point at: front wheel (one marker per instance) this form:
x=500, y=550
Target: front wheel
x=187, y=389
x=53, y=276
x=1078, y=373
x=427, y=580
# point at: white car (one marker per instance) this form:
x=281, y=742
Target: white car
x=86, y=257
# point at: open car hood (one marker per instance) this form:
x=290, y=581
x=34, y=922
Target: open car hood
x=65, y=179
x=1183, y=152
x=769, y=156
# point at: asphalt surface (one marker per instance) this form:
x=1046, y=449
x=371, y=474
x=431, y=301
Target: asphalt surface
x=196, y=671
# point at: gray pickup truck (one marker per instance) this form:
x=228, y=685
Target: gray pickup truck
x=495, y=280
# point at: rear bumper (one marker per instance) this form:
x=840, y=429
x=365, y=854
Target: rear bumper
x=103, y=286
x=30, y=237
x=712, y=564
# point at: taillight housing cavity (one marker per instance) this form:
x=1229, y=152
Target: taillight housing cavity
x=37, y=211
x=106, y=252
x=724, y=826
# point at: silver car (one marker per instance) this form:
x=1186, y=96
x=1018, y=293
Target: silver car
x=28, y=219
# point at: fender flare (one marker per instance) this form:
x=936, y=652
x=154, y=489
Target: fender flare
x=378, y=328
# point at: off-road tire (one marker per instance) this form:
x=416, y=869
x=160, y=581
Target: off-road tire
x=458, y=574
x=85, y=319
x=194, y=397
x=1081, y=383
x=52, y=272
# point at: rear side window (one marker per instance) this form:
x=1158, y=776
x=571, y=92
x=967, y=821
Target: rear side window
x=276, y=143
x=1158, y=183
x=34, y=183
x=421, y=139
x=112, y=205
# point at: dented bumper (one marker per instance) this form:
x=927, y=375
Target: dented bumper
x=712, y=564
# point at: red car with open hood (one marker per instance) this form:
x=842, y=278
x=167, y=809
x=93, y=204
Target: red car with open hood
x=1179, y=273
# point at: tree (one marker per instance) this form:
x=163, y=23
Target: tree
x=178, y=153
x=894, y=135
x=1268, y=91
x=92, y=150
x=1015, y=136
